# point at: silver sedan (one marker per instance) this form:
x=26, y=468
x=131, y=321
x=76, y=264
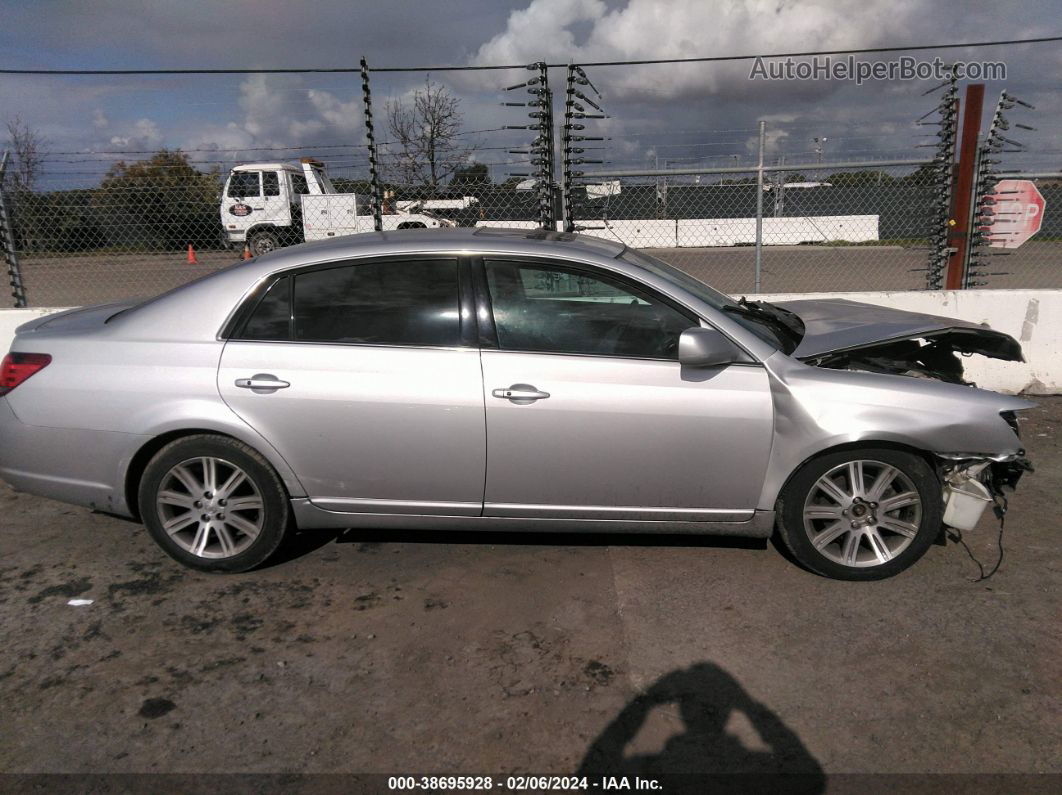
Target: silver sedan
x=503, y=379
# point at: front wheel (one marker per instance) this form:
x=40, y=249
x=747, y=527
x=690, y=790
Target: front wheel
x=213, y=503
x=861, y=514
x=264, y=242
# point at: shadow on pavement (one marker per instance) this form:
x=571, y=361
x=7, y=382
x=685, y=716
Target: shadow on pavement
x=550, y=539
x=706, y=755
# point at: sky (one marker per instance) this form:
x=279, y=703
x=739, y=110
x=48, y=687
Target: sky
x=671, y=115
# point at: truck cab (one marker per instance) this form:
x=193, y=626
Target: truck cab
x=262, y=202
x=269, y=205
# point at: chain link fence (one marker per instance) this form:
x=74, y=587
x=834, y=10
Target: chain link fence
x=98, y=226
x=838, y=227
x=154, y=225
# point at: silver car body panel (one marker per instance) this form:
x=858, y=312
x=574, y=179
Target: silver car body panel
x=818, y=409
x=760, y=524
x=620, y=444
x=392, y=429
x=610, y=436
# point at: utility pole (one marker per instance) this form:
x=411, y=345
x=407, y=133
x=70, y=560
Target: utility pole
x=819, y=144
x=962, y=194
x=759, y=205
x=779, y=189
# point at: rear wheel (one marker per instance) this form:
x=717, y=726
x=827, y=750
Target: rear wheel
x=264, y=242
x=861, y=514
x=213, y=503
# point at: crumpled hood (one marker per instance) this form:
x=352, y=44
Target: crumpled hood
x=832, y=325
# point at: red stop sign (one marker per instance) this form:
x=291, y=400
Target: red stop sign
x=1019, y=211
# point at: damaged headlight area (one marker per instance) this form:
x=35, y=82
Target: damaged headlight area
x=973, y=482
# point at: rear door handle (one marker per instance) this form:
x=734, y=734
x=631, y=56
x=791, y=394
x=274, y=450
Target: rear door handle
x=521, y=394
x=262, y=383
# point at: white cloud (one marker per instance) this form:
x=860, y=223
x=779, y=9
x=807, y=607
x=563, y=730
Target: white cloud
x=143, y=135
x=774, y=139
x=650, y=29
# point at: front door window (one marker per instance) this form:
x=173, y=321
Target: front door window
x=557, y=308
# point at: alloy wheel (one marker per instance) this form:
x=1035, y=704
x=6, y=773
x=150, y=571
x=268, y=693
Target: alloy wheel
x=862, y=513
x=210, y=507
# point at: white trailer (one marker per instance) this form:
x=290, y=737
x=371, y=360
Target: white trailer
x=270, y=205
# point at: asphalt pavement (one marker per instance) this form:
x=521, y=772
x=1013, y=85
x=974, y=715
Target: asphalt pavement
x=463, y=653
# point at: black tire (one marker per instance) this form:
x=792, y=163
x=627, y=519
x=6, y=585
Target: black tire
x=412, y=225
x=798, y=494
x=264, y=242
x=263, y=483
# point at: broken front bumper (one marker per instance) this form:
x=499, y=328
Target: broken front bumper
x=971, y=485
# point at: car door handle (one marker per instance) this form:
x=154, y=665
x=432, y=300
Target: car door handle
x=262, y=383
x=521, y=394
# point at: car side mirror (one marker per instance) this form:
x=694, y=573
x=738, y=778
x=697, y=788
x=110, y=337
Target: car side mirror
x=706, y=347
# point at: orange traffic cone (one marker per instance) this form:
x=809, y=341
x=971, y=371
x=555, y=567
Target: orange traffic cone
x=246, y=251
x=191, y=256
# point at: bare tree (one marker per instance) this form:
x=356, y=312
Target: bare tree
x=427, y=130
x=27, y=147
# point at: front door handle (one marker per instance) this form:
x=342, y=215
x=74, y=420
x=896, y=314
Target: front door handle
x=521, y=394
x=262, y=383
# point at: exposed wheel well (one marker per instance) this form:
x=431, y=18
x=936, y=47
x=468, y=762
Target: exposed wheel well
x=254, y=230
x=411, y=225
x=139, y=462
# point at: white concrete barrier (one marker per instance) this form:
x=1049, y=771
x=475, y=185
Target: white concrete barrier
x=650, y=233
x=704, y=232
x=787, y=231
x=1031, y=316
x=11, y=319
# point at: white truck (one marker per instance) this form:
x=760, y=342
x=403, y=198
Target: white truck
x=269, y=205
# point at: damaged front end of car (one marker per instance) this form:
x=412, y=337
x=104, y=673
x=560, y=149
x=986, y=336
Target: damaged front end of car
x=842, y=335
x=936, y=355
x=972, y=482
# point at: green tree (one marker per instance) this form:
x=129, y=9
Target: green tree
x=860, y=178
x=473, y=174
x=923, y=175
x=160, y=203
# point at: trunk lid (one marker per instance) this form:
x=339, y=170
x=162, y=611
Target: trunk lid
x=74, y=320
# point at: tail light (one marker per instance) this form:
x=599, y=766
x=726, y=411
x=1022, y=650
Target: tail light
x=17, y=367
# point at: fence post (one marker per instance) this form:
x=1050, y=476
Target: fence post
x=779, y=190
x=759, y=204
x=965, y=185
x=7, y=240
x=377, y=198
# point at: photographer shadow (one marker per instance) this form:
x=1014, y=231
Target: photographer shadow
x=706, y=697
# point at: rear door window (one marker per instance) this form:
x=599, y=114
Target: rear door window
x=271, y=319
x=387, y=302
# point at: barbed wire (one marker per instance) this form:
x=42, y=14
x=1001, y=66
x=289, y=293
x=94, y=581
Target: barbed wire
x=485, y=67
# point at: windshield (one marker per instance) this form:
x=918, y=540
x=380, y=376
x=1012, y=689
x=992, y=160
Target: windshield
x=243, y=184
x=763, y=327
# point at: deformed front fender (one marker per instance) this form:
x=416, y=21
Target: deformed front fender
x=818, y=409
